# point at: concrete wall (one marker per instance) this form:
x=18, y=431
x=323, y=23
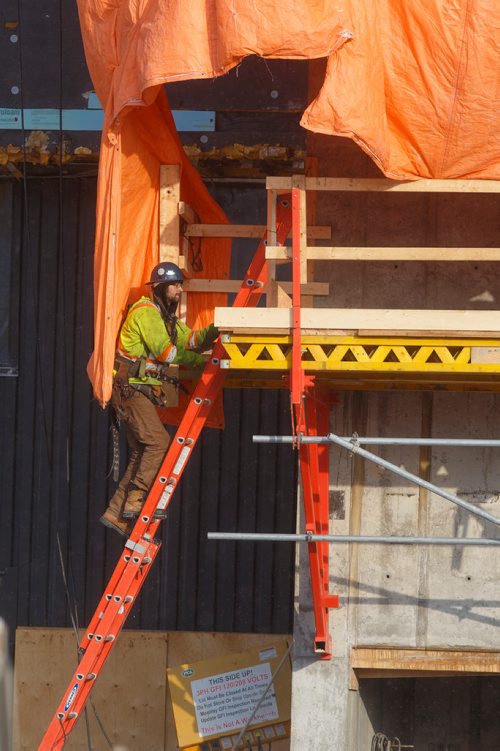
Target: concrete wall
x=401, y=596
x=410, y=596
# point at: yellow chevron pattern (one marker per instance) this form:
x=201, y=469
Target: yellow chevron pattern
x=364, y=354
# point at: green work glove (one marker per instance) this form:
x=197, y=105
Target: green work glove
x=211, y=336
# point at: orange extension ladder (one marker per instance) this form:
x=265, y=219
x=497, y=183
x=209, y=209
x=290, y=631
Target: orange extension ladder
x=142, y=547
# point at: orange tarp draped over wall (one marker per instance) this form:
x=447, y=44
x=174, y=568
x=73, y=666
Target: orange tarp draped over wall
x=414, y=82
x=127, y=229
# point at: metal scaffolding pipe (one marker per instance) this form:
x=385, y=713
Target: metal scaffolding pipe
x=272, y=537
x=355, y=449
x=379, y=441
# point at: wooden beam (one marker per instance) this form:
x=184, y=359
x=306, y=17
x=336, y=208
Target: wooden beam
x=248, y=230
x=276, y=297
x=312, y=201
x=169, y=228
x=384, y=185
x=376, y=662
x=186, y=212
x=271, y=217
x=340, y=253
x=299, y=181
x=402, y=322
x=227, y=286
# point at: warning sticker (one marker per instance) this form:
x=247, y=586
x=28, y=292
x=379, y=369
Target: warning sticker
x=225, y=702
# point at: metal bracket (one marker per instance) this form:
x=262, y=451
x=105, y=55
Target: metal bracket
x=135, y=547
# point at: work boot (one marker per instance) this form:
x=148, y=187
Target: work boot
x=134, y=503
x=110, y=520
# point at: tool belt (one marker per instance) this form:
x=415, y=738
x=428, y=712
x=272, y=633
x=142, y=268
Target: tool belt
x=155, y=394
x=158, y=394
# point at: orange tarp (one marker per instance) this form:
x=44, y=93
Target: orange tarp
x=127, y=228
x=414, y=82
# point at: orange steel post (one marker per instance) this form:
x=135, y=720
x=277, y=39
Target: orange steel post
x=314, y=469
x=310, y=416
x=142, y=547
x=297, y=373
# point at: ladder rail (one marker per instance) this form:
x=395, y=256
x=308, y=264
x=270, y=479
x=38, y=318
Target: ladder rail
x=87, y=671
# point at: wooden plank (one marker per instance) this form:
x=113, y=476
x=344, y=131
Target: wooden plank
x=402, y=322
x=169, y=214
x=186, y=212
x=271, y=217
x=311, y=171
x=340, y=253
x=457, y=334
x=277, y=297
x=299, y=181
x=233, y=285
x=383, y=185
x=248, y=230
x=375, y=662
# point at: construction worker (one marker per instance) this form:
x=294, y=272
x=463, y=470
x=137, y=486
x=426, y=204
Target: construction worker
x=150, y=338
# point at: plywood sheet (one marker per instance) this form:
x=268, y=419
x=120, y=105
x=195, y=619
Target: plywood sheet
x=129, y=695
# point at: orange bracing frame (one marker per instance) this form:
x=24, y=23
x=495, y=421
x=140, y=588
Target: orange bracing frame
x=142, y=547
x=310, y=417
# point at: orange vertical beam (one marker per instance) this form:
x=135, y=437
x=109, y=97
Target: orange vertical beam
x=310, y=416
x=314, y=469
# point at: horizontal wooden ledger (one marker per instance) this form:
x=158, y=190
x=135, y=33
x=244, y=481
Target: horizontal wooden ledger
x=386, y=185
x=380, y=662
x=401, y=322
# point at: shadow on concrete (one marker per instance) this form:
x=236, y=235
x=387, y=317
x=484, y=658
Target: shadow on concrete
x=461, y=608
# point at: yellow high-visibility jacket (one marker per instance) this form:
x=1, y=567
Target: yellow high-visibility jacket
x=144, y=335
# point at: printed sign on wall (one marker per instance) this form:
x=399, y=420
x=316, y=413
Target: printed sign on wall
x=217, y=697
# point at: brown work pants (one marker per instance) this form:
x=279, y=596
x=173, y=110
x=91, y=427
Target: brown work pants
x=147, y=440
